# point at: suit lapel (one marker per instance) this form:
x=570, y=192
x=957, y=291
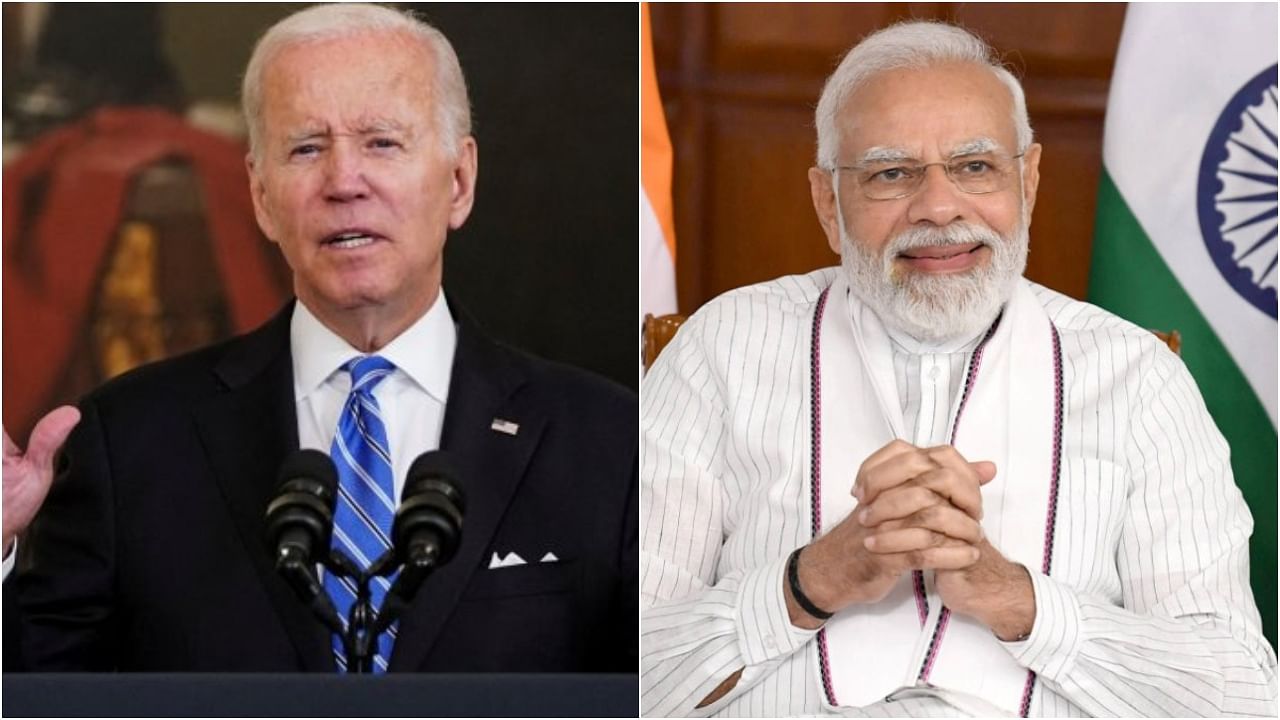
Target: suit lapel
x=247, y=431
x=484, y=389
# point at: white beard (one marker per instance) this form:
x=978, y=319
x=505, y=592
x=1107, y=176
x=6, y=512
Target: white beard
x=937, y=308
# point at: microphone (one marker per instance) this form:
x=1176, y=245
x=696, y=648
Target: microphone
x=299, y=525
x=428, y=523
x=426, y=529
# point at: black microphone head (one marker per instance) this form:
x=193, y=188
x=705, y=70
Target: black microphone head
x=435, y=465
x=431, y=508
x=301, y=512
x=312, y=465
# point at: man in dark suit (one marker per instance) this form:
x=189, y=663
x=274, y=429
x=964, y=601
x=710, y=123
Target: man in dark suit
x=149, y=551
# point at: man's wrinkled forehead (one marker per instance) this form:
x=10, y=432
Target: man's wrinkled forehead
x=366, y=85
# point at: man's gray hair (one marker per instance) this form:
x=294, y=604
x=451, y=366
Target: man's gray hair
x=343, y=20
x=908, y=45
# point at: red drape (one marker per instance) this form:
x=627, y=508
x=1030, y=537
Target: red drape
x=51, y=267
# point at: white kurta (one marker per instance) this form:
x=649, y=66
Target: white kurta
x=1147, y=611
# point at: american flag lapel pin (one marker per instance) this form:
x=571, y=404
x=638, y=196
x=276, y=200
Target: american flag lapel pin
x=505, y=426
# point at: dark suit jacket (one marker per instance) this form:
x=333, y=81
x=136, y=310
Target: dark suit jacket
x=149, y=553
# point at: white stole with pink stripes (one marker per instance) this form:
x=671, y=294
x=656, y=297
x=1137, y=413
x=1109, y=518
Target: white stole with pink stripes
x=1009, y=412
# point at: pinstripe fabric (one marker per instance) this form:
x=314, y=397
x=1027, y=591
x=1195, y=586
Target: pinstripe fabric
x=366, y=495
x=928, y=379
x=1148, y=611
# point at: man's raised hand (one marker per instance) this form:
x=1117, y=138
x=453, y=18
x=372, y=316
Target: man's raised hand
x=27, y=477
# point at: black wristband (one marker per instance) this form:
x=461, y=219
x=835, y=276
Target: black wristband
x=793, y=579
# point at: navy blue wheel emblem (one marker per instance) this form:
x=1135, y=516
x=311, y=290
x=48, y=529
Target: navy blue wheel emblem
x=1236, y=193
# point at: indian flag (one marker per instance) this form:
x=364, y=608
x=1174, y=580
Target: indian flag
x=657, y=219
x=1186, y=226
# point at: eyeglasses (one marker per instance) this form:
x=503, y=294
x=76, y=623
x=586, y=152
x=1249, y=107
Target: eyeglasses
x=972, y=174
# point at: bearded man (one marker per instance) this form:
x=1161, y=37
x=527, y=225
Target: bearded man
x=920, y=484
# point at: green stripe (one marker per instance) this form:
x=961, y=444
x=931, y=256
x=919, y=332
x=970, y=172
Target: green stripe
x=1131, y=279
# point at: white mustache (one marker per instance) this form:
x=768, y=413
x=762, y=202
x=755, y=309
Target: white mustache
x=956, y=234
x=930, y=307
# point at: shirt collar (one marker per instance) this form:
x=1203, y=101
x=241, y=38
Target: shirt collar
x=423, y=352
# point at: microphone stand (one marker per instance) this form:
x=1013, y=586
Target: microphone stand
x=365, y=624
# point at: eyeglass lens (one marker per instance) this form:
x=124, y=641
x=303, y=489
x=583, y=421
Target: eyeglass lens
x=974, y=174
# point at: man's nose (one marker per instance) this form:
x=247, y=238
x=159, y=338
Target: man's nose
x=937, y=201
x=345, y=174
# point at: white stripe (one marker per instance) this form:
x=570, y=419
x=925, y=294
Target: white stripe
x=369, y=435
x=657, y=271
x=350, y=545
x=350, y=586
x=372, y=377
x=365, y=519
x=362, y=474
x=371, y=404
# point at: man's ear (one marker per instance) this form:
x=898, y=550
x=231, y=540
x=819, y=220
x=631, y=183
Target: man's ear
x=822, y=188
x=258, y=191
x=465, y=171
x=1031, y=176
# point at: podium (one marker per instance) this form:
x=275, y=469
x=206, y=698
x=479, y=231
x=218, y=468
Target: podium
x=298, y=695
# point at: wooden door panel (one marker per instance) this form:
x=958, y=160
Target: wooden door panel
x=760, y=219
x=789, y=37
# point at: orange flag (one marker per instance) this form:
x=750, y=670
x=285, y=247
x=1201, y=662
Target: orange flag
x=657, y=218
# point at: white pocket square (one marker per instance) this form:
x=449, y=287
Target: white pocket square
x=550, y=557
x=511, y=560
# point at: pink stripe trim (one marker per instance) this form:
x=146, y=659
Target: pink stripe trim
x=922, y=607
x=1026, y=694
x=1051, y=518
x=815, y=491
x=815, y=383
x=944, y=619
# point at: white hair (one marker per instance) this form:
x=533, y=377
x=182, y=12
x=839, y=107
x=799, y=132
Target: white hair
x=916, y=44
x=343, y=20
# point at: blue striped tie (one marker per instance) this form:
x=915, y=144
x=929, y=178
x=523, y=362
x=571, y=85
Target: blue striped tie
x=366, y=496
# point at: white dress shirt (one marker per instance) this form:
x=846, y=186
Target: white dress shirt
x=1148, y=610
x=412, y=398
x=929, y=376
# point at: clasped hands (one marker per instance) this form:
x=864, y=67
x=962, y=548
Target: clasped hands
x=918, y=509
